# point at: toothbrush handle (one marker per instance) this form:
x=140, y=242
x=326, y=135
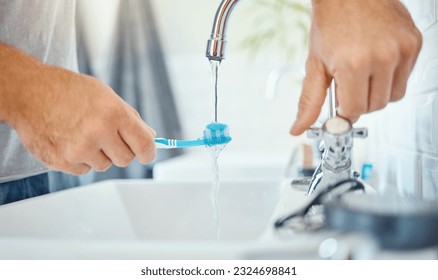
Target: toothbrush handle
x=190, y=143
x=163, y=146
x=162, y=143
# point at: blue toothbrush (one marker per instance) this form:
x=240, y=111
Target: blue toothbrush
x=214, y=134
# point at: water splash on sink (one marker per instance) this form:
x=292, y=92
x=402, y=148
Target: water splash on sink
x=214, y=193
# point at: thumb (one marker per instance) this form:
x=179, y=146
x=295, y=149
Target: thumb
x=312, y=96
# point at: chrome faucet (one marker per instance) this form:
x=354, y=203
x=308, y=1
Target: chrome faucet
x=336, y=136
x=217, y=43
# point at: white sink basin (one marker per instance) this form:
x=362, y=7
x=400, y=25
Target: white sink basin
x=139, y=219
x=146, y=219
x=144, y=209
x=196, y=166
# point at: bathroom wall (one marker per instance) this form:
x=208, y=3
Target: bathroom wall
x=257, y=124
x=411, y=127
x=402, y=142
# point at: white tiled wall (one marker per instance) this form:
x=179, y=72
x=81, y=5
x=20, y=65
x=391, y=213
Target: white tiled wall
x=407, y=150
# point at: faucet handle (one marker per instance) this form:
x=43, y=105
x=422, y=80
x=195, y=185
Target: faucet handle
x=314, y=133
x=361, y=132
x=317, y=132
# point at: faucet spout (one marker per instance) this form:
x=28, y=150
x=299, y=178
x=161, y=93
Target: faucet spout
x=217, y=43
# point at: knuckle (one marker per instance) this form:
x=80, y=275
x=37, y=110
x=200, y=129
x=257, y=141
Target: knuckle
x=115, y=111
x=306, y=101
x=134, y=111
x=81, y=171
x=396, y=96
x=70, y=153
x=399, y=91
x=147, y=146
x=76, y=153
x=377, y=106
x=63, y=165
x=89, y=131
x=123, y=160
x=84, y=148
x=311, y=63
x=388, y=54
x=358, y=61
x=420, y=41
x=352, y=113
x=418, y=38
x=412, y=44
x=120, y=111
x=386, y=51
x=147, y=152
x=102, y=166
x=97, y=130
x=304, y=104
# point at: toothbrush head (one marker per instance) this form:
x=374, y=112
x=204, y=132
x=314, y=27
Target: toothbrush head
x=216, y=134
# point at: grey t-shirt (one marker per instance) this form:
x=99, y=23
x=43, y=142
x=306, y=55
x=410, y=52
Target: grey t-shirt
x=45, y=30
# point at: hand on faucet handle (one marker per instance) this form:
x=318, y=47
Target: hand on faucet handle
x=368, y=47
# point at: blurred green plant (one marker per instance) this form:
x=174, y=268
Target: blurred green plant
x=282, y=25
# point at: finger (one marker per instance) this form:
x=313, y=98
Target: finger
x=118, y=151
x=380, y=88
x=312, y=96
x=352, y=91
x=78, y=169
x=139, y=139
x=137, y=115
x=409, y=54
x=100, y=162
x=400, y=81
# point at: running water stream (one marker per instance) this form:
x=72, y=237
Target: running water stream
x=215, y=150
x=214, y=64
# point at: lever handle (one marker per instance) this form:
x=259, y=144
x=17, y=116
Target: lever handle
x=361, y=132
x=314, y=133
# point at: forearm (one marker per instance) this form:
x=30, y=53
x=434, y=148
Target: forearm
x=18, y=72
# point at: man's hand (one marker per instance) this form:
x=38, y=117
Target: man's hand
x=71, y=122
x=368, y=47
